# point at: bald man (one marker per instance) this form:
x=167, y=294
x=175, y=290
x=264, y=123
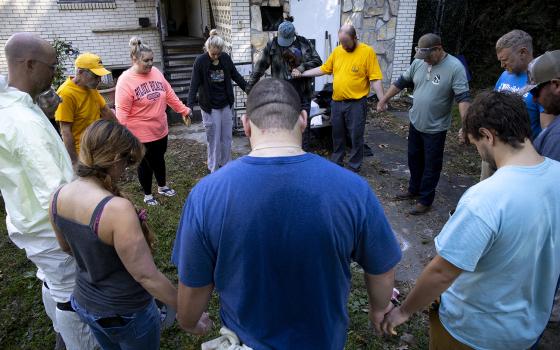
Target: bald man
x=34, y=164
x=356, y=71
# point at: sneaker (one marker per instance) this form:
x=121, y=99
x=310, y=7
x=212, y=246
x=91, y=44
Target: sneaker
x=166, y=191
x=419, y=209
x=150, y=200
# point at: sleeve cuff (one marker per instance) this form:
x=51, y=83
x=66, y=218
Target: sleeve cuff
x=402, y=83
x=463, y=97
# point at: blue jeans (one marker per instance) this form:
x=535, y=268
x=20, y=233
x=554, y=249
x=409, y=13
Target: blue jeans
x=425, y=160
x=140, y=330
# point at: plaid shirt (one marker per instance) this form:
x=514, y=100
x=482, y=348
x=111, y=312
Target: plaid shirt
x=272, y=56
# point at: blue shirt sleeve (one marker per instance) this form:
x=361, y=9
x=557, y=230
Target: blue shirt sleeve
x=464, y=239
x=192, y=253
x=376, y=250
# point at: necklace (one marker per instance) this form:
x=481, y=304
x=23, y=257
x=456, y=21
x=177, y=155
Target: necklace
x=269, y=147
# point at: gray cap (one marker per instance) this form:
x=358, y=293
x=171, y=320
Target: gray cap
x=286, y=34
x=544, y=68
x=427, y=41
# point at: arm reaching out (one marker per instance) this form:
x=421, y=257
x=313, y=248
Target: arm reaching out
x=434, y=280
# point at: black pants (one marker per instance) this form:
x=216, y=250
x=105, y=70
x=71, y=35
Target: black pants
x=425, y=160
x=153, y=163
x=348, y=117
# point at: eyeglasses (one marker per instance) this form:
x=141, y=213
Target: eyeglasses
x=50, y=65
x=425, y=49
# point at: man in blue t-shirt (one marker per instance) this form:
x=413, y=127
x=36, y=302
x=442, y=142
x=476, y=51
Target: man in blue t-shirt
x=274, y=233
x=496, y=270
x=514, y=51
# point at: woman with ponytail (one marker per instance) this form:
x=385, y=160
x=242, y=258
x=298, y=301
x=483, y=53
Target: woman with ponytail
x=213, y=72
x=117, y=278
x=141, y=98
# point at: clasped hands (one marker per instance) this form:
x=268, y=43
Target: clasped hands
x=385, y=321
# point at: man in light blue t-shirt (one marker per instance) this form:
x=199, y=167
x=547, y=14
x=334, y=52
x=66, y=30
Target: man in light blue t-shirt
x=498, y=259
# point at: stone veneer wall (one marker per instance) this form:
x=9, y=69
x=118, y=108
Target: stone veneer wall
x=386, y=25
x=221, y=10
x=259, y=38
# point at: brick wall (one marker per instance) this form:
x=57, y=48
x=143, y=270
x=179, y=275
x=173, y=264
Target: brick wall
x=240, y=31
x=405, y=31
x=104, y=29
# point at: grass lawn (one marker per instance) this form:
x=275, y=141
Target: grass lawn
x=24, y=325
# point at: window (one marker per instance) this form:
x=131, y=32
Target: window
x=271, y=16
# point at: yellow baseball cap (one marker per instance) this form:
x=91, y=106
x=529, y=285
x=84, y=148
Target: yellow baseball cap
x=91, y=62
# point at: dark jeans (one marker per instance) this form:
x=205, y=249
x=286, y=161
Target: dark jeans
x=425, y=160
x=348, y=116
x=152, y=164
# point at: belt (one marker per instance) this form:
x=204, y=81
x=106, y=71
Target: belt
x=67, y=306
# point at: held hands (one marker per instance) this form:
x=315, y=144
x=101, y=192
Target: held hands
x=376, y=317
x=187, y=117
x=381, y=106
x=296, y=74
x=203, y=326
x=393, y=319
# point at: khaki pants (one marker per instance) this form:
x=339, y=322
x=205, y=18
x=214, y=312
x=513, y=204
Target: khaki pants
x=440, y=339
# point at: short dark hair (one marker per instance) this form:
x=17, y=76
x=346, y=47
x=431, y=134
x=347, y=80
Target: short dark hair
x=503, y=112
x=273, y=104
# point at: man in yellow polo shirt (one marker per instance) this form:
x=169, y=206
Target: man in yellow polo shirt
x=81, y=102
x=356, y=70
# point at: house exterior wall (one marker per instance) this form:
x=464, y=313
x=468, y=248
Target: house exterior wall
x=260, y=38
x=221, y=10
x=387, y=26
x=101, y=28
x=405, y=32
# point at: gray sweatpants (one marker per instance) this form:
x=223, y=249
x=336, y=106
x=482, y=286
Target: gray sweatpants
x=218, y=125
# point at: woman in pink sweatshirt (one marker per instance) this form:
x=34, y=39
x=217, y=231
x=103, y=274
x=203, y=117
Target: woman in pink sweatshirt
x=141, y=97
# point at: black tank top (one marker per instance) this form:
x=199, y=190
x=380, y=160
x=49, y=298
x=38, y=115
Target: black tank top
x=103, y=285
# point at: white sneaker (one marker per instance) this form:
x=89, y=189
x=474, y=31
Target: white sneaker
x=166, y=191
x=150, y=200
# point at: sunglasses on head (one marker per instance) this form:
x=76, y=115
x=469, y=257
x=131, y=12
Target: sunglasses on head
x=425, y=49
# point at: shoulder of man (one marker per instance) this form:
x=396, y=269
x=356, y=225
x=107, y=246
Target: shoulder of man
x=21, y=123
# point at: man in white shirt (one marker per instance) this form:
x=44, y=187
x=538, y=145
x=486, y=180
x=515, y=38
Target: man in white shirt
x=34, y=163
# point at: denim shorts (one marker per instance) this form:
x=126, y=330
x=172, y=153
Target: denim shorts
x=139, y=330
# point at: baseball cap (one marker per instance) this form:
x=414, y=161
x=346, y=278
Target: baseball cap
x=426, y=42
x=91, y=62
x=286, y=34
x=544, y=68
